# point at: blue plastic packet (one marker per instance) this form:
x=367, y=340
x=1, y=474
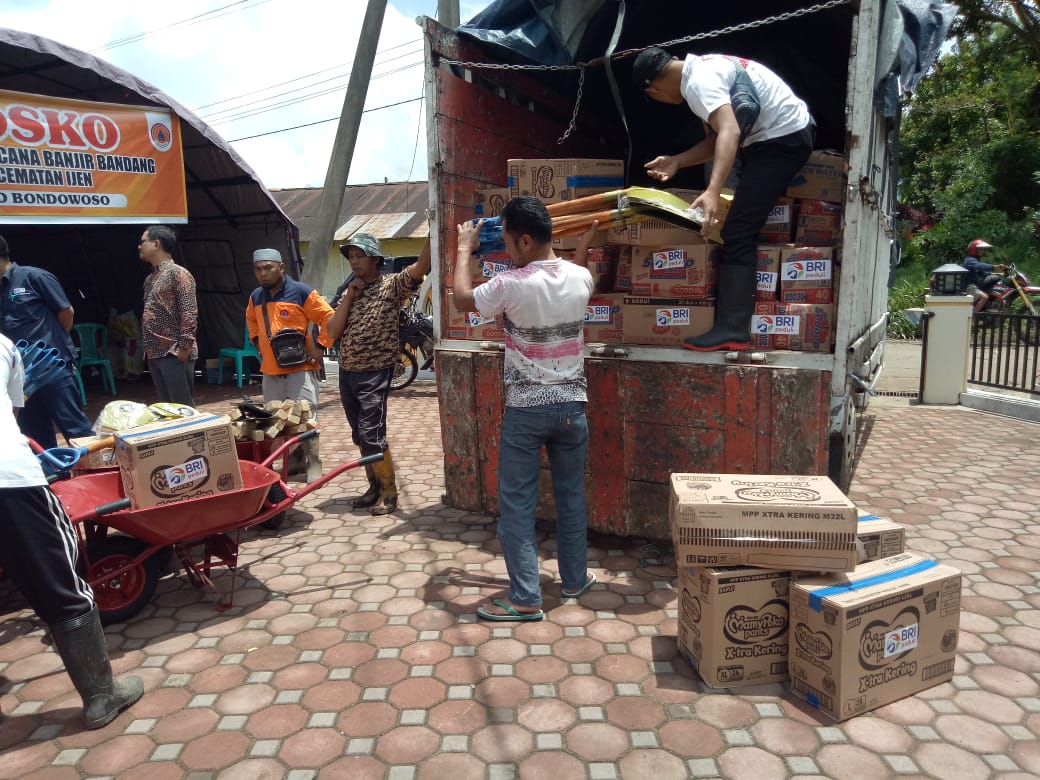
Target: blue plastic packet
x=490, y=236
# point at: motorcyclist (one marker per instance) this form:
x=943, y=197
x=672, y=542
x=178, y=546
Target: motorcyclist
x=981, y=276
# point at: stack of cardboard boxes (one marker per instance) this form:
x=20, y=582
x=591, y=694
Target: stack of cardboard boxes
x=780, y=578
x=655, y=284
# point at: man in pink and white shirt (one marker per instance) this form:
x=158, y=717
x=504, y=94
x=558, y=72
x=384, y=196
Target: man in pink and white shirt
x=543, y=304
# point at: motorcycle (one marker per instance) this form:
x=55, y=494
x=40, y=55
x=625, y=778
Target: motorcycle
x=1013, y=294
x=416, y=344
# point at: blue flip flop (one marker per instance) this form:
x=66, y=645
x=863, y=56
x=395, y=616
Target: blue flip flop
x=573, y=594
x=511, y=616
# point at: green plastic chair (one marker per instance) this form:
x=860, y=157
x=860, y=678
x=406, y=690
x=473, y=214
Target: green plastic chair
x=92, y=340
x=239, y=356
x=78, y=380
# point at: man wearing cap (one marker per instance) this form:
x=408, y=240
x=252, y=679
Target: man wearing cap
x=747, y=111
x=981, y=276
x=280, y=303
x=367, y=318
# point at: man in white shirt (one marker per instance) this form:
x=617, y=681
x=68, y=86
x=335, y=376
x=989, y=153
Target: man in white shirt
x=39, y=552
x=543, y=303
x=747, y=110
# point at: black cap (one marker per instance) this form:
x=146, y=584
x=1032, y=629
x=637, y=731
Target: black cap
x=648, y=65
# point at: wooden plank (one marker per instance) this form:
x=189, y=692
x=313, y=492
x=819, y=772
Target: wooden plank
x=459, y=430
x=647, y=510
x=656, y=450
x=487, y=410
x=740, y=397
x=675, y=393
x=605, y=506
x=797, y=422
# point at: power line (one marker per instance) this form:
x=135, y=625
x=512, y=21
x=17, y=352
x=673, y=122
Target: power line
x=321, y=121
x=243, y=109
x=299, y=78
x=206, y=16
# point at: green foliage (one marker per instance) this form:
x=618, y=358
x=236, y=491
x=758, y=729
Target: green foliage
x=907, y=293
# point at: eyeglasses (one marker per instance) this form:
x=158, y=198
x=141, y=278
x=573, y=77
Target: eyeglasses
x=146, y=240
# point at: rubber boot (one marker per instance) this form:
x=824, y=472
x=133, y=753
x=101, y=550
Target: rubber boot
x=371, y=495
x=297, y=467
x=733, y=309
x=81, y=644
x=384, y=471
x=313, y=456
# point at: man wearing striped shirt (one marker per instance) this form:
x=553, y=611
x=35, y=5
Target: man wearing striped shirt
x=543, y=303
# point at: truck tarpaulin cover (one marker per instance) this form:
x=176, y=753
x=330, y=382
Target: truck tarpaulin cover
x=77, y=161
x=542, y=31
x=911, y=33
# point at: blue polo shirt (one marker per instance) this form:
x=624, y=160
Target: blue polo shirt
x=30, y=299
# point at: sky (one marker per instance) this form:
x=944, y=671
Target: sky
x=251, y=69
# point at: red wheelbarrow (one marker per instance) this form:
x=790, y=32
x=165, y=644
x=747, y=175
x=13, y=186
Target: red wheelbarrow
x=123, y=569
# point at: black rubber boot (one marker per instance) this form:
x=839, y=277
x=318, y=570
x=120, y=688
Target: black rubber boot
x=733, y=309
x=81, y=644
x=371, y=495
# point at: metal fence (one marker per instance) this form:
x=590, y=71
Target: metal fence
x=1004, y=351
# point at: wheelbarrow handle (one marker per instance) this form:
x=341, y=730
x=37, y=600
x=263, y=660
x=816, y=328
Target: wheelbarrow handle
x=370, y=459
x=112, y=506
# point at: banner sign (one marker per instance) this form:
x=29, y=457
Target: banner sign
x=73, y=161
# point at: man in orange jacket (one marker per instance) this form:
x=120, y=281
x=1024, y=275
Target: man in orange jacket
x=279, y=303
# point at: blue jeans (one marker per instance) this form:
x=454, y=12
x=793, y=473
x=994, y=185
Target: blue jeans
x=564, y=431
x=54, y=404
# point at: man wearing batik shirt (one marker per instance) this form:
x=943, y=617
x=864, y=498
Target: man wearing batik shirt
x=543, y=302
x=367, y=316
x=170, y=317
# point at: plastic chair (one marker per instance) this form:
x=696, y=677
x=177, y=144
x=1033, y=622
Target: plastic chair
x=79, y=386
x=239, y=356
x=93, y=352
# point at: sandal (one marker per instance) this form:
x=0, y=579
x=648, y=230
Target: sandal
x=573, y=594
x=512, y=615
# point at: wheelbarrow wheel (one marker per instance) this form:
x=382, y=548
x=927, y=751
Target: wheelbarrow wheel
x=122, y=597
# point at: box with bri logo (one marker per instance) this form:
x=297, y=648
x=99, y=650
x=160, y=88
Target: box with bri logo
x=807, y=274
x=172, y=460
x=883, y=632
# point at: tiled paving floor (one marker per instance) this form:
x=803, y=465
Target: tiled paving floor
x=352, y=650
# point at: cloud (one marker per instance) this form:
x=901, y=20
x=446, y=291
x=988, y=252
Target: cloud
x=223, y=64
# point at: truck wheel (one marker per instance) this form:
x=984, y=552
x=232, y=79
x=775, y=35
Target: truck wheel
x=842, y=456
x=120, y=598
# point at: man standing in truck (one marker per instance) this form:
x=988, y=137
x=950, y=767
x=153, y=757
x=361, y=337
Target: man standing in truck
x=747, y=111
x=543, y=301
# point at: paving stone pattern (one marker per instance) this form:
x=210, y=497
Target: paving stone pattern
x=352, y=649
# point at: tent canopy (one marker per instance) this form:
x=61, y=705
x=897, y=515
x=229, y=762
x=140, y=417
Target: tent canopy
x=230, y=212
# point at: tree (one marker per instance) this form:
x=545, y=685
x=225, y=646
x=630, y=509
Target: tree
x=1020, y=17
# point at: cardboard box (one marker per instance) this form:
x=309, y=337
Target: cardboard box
x=878, y=537
x=172, y=460
x=801, y=327
x=733, y=624
x=821, y=178
x=564, y=179
x=604, y=318
x=768, y=283
x=489, y=202
x=872, y=637
x=673, y=271
x=623, y=271
x=819, y=223
x=665, y=322
x=102, y=459
x=806, y=274
x=570, y=243
x=773, y=521
x=471, y=326
x=491, y=265
x=777, y=229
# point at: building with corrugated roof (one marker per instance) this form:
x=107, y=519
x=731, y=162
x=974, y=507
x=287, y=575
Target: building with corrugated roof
x=393, y=212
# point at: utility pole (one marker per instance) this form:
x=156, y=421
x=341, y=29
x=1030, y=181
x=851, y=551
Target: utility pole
x=343, y=148
x=448, y=13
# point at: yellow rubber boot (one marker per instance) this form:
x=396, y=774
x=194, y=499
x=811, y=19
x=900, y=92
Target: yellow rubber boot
x=384, y=471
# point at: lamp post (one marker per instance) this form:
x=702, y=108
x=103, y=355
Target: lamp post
x=949, y=279
x=944, y=359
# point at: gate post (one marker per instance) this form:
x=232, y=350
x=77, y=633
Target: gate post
x=947, y=336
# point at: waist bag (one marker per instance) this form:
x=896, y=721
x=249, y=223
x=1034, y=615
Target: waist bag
x=288, y=345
